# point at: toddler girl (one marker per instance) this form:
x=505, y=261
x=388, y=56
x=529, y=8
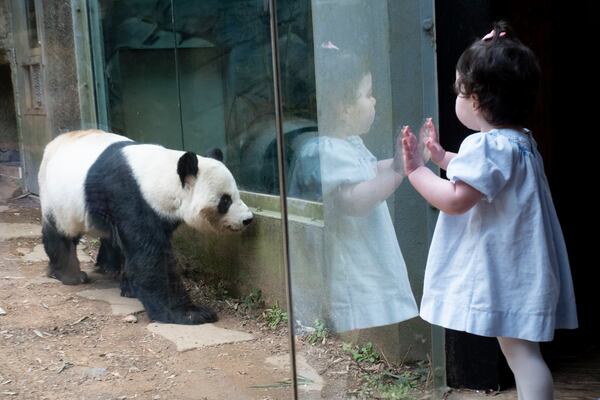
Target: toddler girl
x=497, y=264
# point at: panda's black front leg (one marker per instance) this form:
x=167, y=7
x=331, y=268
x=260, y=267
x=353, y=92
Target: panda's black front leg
x=184, y=309
x=161, y=291
x=127, y=288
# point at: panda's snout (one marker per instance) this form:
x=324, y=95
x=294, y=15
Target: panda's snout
x=247, y=221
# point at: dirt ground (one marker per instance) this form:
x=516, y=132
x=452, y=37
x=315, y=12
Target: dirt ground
x=57, y=345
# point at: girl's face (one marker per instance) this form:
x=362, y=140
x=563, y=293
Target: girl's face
x=469, y=114
x=467, y=111
x=361, y=114
x=464, y=108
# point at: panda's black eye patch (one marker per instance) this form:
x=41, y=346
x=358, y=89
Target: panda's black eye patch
x=224, y=204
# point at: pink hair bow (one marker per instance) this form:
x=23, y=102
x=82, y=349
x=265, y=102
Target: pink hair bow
x=329, y=45
x=490, y=35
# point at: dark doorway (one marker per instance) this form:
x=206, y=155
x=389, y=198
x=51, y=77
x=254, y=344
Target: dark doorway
x=561, y=36
x=9, y=139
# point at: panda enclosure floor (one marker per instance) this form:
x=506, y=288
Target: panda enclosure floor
x=55, y=344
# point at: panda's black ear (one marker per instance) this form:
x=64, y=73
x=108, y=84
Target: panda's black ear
x=215, y=153
x=187, y=166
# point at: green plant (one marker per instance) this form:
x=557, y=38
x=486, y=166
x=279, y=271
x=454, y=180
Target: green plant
x=319, y=334
x=394, y=382
x=365, y=353
x=275, y=316
x=253, y=300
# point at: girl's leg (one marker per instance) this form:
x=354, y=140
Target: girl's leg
x=534, y=380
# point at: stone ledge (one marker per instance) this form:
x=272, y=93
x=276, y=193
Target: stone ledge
x=11, y=170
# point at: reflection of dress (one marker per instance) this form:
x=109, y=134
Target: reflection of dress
x=501, y=268
x=364, y=274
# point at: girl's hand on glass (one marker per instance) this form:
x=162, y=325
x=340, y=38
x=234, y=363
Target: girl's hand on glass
x=412, y=156
x=431, y=146
x=398, y=162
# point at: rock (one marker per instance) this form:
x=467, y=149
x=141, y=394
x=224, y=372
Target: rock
x=95, y=372
x=130, y=318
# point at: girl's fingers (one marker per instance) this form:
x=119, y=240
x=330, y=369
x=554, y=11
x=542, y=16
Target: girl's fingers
x=408, y=143
x=406, y=131
x=432, y=130
x=413, y=139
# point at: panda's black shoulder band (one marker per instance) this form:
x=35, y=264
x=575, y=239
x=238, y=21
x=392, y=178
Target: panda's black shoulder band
x=186, y=166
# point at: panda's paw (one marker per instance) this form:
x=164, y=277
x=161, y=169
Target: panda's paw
x=128, y=292
x=195, y=315
x=127, y=288
x=70, y=279
x=108, y=272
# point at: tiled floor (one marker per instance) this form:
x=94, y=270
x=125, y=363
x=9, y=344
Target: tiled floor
x=577, y=379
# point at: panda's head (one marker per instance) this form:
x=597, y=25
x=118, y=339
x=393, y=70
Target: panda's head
x=212, y=200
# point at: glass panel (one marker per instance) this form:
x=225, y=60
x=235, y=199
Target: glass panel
x=32, y=29
x=197, y=75
x=224, y=65
x=140, y=71
x=211, y=79
x=226, y=91
x=358, y=235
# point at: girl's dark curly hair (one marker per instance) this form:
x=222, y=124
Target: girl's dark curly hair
x=503, y=73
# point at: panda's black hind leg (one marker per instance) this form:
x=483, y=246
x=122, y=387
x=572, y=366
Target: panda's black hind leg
x=61, y=251
x=110, y=258
x=110, y=261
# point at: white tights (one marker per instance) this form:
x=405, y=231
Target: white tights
x=533, y=378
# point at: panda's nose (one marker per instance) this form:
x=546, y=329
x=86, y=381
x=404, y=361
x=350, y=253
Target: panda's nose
x=247, y=221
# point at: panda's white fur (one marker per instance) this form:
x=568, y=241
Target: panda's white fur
x=61, y=178
x=134, y=195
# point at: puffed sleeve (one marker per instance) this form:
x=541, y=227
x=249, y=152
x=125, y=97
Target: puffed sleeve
x=340, y=164
x=484, y=162
x=324, y=164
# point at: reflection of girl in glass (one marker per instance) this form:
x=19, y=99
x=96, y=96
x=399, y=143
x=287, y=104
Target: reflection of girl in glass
x=364, y=274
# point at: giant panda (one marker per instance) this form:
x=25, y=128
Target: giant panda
x=133, y=196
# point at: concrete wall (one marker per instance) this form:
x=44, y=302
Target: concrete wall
x=59, y=97
x=243, y=262
x=62, y=96
x=4, y=24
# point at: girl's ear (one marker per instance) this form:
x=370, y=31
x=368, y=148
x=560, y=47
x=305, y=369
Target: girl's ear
x=475, y=101
x=345, y=113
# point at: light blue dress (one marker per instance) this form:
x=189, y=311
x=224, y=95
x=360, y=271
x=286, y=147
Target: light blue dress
x=500, y=269
x=365, y=277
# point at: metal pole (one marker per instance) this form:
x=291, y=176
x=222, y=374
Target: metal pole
x=282, y=187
